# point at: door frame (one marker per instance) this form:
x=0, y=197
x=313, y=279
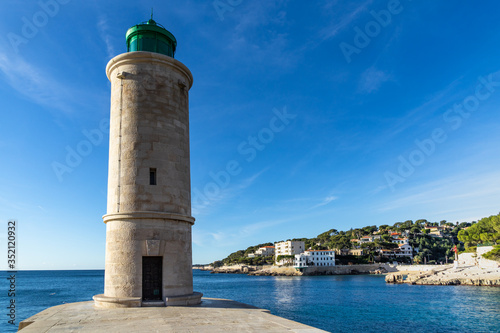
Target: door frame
x=154, y=261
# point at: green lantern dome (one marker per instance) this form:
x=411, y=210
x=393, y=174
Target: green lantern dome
x=152, y=37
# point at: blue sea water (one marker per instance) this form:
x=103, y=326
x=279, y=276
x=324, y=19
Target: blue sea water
x=359, y=303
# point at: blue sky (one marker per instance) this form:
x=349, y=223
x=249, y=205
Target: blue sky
x=304, y=117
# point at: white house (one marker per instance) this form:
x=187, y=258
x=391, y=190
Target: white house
x=436, y=231
x=288, y=248
x=265, y=251
x=312, y=258
x=400, y=240
x=395, y=235
x=355, y=252
x=405, y=250
x=366, y=239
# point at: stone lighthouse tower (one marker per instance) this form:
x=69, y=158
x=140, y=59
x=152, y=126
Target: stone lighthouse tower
x=148, y=220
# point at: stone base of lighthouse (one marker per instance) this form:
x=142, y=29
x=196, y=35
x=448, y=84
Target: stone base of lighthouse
x=148, y=261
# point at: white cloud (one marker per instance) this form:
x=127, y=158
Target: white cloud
x=103, y=28
x=34, y=83
x=439, y=100
x=224, y=194
x=431, y=110
x=342, y=23
x=237, y=237
x=467, y=194
x=230, y=237
x=260, y=35
x=259, y=14
x=372, y=79
x=325, y=201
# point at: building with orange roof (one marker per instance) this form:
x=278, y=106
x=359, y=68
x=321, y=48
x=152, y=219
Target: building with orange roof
x=400, y=240
x=403, y=250
x=265, y=251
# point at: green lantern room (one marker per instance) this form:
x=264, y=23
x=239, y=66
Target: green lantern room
x=151, y=37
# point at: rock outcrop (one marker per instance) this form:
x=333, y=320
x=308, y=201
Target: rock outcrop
x=312, y=270
x=394, y=278
x=277, y=271
x=381, y=270
x=470, y=276
x=233, y=270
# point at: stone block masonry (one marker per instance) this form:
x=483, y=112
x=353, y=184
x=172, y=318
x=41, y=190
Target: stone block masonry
x=149, y=187
x=149, y=129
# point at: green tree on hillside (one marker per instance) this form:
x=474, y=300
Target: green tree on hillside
x=369, y=230
x=383, y=228
x=406, y=225
x=340, y=242
x=486, y=231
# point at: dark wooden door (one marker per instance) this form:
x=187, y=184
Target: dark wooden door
x=151, y=278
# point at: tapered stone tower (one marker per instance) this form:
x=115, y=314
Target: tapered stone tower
x=148, y=220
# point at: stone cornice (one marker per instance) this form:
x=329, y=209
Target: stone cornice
x=148, y=215
x=149, y=57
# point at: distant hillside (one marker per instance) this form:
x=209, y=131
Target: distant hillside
x=430, y=244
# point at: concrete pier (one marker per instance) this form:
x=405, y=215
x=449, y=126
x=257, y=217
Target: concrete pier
x=212, y=315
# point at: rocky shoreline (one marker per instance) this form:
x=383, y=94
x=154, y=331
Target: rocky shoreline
x=277, y=271
x=415, y=275
x=449, y=276
x=233, y=270
x=311, y=271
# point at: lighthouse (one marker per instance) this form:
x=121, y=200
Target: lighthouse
x=148, y=221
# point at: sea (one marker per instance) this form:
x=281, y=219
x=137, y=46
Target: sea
x=341, y=303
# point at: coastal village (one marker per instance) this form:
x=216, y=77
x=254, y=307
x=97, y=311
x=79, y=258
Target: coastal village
x=358, y=246
x=419, y=252
x=294, y=251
